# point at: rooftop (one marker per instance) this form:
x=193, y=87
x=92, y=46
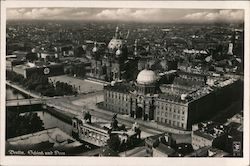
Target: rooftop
x=49, y=139
x=165, y=149
x=120, y=87
x=209, y=130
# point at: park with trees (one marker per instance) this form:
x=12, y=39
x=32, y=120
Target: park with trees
x=41, y=84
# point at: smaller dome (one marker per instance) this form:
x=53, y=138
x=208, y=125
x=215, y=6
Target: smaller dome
x=146, y=77
x=118, y=52
x=95, y=49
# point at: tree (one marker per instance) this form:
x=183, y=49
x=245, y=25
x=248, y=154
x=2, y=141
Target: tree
x=20, y=125
x=31, y=57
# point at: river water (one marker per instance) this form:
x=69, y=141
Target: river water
x=12, y=94
x=49, y=120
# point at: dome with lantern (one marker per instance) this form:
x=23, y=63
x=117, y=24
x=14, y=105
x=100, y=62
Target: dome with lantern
x=116, y=42
x=146, y=77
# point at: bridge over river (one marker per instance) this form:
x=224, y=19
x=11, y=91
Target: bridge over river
x=23, y=102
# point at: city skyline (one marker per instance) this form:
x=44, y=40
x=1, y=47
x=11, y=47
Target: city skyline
x=123, y=79
x=127, y=14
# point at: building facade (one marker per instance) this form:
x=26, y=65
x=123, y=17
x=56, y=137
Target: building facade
x=207, y=134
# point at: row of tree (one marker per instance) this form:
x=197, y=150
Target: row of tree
x=41, y=84
x=21, y=124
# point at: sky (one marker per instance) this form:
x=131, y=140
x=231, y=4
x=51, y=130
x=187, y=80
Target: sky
x=127, y=14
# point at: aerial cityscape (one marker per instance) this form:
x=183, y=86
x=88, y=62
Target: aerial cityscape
x=124, y=82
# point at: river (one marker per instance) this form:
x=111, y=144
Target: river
x=12, y=94
x=49, y=121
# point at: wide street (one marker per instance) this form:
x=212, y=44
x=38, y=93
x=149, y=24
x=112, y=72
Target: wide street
x=82, y=86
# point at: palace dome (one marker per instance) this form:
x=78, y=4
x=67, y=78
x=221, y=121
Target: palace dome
x=146, y=77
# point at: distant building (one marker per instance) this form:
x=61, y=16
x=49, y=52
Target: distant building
x=207, y=134
x=234, y=141
x=165, y=145
x=163, y=150
x=208, y=151
x=160, y=145
x=39, y=68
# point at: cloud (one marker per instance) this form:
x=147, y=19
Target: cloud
x=123, y=14
x=82, y=13
x=45, y=13
x=126, y=14
x=130, y=14
x=226, y=15
x=37, y=13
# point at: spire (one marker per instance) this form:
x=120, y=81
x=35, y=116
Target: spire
x=148, y=48
x=135, y=45
x=117, y=32
x=147, y=65
x=95, y=49
x=127, y=35
x=165, y=46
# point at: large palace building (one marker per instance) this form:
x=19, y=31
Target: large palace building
x=188, y=99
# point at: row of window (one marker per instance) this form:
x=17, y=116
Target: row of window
x=170, y=122
x=170, y=115
x=175, y=115
x=118, y=102
x=117, y=109
x=171, y=107
x=117, y=96
x=146, y=89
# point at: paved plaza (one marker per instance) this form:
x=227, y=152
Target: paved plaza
x=82, y=85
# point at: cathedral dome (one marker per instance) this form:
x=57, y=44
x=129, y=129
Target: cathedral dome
x=146, y=77
x=115, y=44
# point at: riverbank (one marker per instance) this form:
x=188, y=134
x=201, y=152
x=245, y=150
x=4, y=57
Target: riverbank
x=22, y=89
